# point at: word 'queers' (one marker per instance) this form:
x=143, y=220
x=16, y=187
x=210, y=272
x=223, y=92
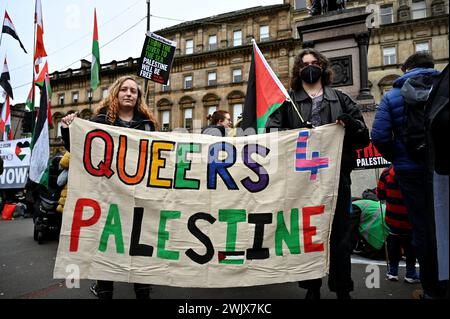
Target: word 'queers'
x=290, y=237
x=150, y=156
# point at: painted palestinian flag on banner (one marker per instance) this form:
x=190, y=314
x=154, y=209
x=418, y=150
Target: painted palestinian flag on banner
x=265, y=93
x=95, y=64
x=40, y=145
x=8, y=28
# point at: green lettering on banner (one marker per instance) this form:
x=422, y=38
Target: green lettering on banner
x=112, y=227
x=163, y=235
x=232, y=217
x=183, y=165
x=291, y=239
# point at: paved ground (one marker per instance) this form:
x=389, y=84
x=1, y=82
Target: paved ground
x=26, y=273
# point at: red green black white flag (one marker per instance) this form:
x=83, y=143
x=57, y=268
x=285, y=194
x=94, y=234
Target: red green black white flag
x=95, y=64
x=265, y=93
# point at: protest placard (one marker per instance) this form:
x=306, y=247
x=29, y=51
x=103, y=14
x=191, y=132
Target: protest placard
x=369, y=157
x=16, y=156
x=156, y=58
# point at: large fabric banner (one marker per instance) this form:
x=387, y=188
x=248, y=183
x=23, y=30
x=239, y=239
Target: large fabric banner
x=193, y=210
x=16, y=156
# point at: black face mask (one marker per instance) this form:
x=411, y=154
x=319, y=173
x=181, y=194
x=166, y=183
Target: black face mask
x=311, y=73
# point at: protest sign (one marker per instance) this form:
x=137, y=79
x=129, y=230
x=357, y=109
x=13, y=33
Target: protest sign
x=369, y=157
x=16, y=161
x=193, y=210
x=156, y=58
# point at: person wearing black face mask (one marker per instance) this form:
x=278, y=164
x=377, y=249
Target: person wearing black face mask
x=315, y=104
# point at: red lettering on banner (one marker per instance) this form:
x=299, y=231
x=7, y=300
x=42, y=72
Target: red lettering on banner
x=104, y=167
x=308, y=230
x=78, y=222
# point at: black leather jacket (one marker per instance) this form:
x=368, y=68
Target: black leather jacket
x=139, y=122
x=334, y=103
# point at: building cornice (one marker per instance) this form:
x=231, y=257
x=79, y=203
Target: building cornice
x=221, y=18
x=409, y=24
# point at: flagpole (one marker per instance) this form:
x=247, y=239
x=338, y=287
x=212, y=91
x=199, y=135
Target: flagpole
x=148, y=29
x=296, y=110
x=34, y=74
x=3, y=23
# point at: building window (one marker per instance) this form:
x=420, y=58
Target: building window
x=211, y=110
x=165, y=116
x=237, y=38
x=237, y=75
x=237, y=111
x=166, y=87
x=189, y=46
x=75, y=97
x=300, y=4
x=386, y=15
x=264, y=33
x=212, y=78
x=104, y=92
x=422, y=47
x=419, y=10
x=61, y=99
x=188, y=82
x=188, y=119
x=389, y=56
x=212, y=42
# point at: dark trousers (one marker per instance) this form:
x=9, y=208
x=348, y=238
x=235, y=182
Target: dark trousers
x=105, y=290
x=339, y=277
x=395, y=243
x=412, y=186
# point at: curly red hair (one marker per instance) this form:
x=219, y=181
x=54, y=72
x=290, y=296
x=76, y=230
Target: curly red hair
x=111, y=102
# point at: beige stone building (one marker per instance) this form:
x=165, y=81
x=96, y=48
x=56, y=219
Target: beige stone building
x=212, y=59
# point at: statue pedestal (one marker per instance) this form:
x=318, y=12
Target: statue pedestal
x=343, y=38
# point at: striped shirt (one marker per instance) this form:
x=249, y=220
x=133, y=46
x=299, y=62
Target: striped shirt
x=396, y=213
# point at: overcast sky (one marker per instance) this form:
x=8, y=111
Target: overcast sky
x=68, y=26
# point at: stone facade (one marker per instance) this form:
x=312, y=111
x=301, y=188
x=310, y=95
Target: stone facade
x=211, y=66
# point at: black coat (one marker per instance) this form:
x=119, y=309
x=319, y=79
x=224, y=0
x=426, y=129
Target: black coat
x=139, y=122
x=334, y=103
x=437, y=126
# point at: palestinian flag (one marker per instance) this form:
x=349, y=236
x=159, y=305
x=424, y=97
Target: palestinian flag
x=41, y=76
x=5, y=121
x=40, y=80
x=40, y=145
x=95, y=64
x=29, y=103
x=39, y=50
x=231, y=257
x=5, y=80
x=8, y=28
x=265, y=93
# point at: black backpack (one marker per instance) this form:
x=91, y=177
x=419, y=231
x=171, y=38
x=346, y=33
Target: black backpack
x=415, y=93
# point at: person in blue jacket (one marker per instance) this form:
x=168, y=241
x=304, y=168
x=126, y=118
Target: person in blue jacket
x=388, y=137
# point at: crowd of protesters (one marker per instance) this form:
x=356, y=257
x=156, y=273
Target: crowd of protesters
x=416, y=192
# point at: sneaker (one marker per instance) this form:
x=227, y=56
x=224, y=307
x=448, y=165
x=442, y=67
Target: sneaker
x=392, y=277
x=93, y=289
x=414, y=279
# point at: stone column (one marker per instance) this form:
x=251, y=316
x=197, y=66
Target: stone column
x=363, y=41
